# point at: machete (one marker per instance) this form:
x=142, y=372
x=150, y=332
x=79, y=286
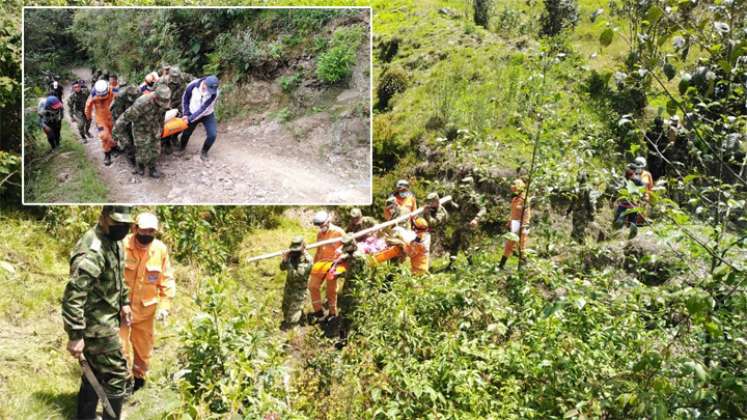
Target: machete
x=96, y=385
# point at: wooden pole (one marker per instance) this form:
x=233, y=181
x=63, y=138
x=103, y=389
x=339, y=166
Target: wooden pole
x=358, y=234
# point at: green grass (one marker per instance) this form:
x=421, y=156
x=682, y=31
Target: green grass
x=82, y=184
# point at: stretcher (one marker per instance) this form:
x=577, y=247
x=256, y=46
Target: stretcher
x=174, y=126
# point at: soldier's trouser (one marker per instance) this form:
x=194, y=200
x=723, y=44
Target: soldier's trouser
x=294, y=296
x=108, y=364
x=147, y=150
x=508, y=248
x=315, y=284
x=128, y=144
x=137, y=343
x=460, y=241
x=80, y=122
x=579, y=227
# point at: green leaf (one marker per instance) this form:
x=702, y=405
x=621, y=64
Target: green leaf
x=669, y=71
x=654, y=13
x=672, y=107
x=605, y=39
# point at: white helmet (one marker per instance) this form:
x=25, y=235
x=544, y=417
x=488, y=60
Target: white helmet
x=147, y=221
x=101, y=87
x=640, y=162
x=320, y=218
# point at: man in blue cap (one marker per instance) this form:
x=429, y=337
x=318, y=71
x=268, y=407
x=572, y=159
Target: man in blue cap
x=198, y=106
x=50, y=119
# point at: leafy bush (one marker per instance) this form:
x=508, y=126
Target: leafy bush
x=558, y=16
x=393, y=81
x=337, y=62
x=290, y=82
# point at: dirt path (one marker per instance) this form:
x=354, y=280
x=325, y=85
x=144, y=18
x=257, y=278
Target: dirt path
x=253, y=161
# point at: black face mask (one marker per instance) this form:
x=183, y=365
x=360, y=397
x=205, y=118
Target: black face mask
x=144, y=239
x=118, y=232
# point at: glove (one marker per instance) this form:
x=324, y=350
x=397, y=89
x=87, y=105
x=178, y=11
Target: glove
x=162, y=314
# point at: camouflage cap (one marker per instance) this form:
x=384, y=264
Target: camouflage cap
x=348, y=242
x=121, y=214
x=297, y=243
x=355, y=213
x=162, y=94
x=131, y=90
x=175, y=72
x=391, y=199
x=432, y=196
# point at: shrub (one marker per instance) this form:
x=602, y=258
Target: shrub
x=393, y=81
x=337, y=62
x=558, y=16
x=290, y=82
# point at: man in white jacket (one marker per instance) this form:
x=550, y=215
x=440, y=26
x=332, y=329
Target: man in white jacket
x=198, y=106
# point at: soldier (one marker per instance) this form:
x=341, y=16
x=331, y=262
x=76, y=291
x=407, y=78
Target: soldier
x=177, y=81
x=359, y=222
x=128, y=94
x=76, y=108
x=581, y=208
x=96, y=302
x=297, y=262
x=518, y=224
x=391, y=210
x=355, y=262
x=146, y=116
x=657, y=146
x=50, y=118
x=472, y=210
x=436, y=215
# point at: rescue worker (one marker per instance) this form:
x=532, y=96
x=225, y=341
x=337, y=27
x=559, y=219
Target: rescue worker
x=355, y=263
x=645, y=176
x=114, y=84
x=128, y=94
x=297, y=263
x=177, y=81
x=98, y=103
x=50, y=119
x=152, y=287
x=146, y=116
x=582, y=208
x=76, y=108
x=149, y=84
x=521, y=215
x=198, y=107
x=359, y=222
x=95, y=304
x=325, y=253
x=419, y=250
x=404, y=199
x=471, y=211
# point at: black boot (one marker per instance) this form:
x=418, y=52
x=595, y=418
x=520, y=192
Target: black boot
x=316, y=317
x=204, y=153
x=108, y=158
x=183, y=144
x=139, y=383
x=332, y=326
x=153, y=172
x=139, y=169
x=116, y=404
x=502, y=263
x=167, y=147
x=131, y=160
x=87, y=401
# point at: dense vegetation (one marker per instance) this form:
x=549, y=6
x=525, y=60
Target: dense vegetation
x=652, y=327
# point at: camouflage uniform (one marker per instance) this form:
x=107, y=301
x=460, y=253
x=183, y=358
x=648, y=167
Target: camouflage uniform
x=347, y=301
x=91, y=307
x=582, y=212
x=177, y=82
x=294, y=293
x=436, y=218
x=471, y=206
x=76, y=106
x=146, y=116
x=127, y=96
x=364, y=223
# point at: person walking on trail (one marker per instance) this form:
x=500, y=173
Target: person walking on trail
x=297, y=263
x=359, y=222
x=76, y=108
x=114, y=84
x=582, y=208
x=146, y=116
x=198, y=107
x=419, y=250
x=355, y=263
x=95, y=304
x=324, y=254
x=518, y=225
x=128, y=94
x=404, y=199
x=98, y=103
x=55, y=87
x=471, y=211
x=150, y=279
x=177, y=81
x=149, y=84
x=50, y=113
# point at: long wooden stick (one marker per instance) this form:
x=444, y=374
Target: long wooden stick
x=358, y=234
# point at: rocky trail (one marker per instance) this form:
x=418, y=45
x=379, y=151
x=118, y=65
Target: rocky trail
x=255, y=160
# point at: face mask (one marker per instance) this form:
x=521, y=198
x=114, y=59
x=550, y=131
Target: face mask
x=324, y=228
x=403, y=194
x=144, y=239
x=118, y=232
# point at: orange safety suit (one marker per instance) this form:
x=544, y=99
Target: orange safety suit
x=324, y=254
x=517, y=204
x=406, y=204
x=151, y=281
x=420, y=253
x=99, y=105
x=648, y=182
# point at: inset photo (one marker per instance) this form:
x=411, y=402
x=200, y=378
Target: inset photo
x=197, y=105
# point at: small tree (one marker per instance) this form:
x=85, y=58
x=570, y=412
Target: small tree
x=482, y=12
x=558, y=16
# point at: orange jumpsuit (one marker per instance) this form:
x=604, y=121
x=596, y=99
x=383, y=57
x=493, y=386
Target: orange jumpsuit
x=324, y=254
x=420, y=253
x=517, y=204
x=406, y=204
x=151, y=281
x=99, y=105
